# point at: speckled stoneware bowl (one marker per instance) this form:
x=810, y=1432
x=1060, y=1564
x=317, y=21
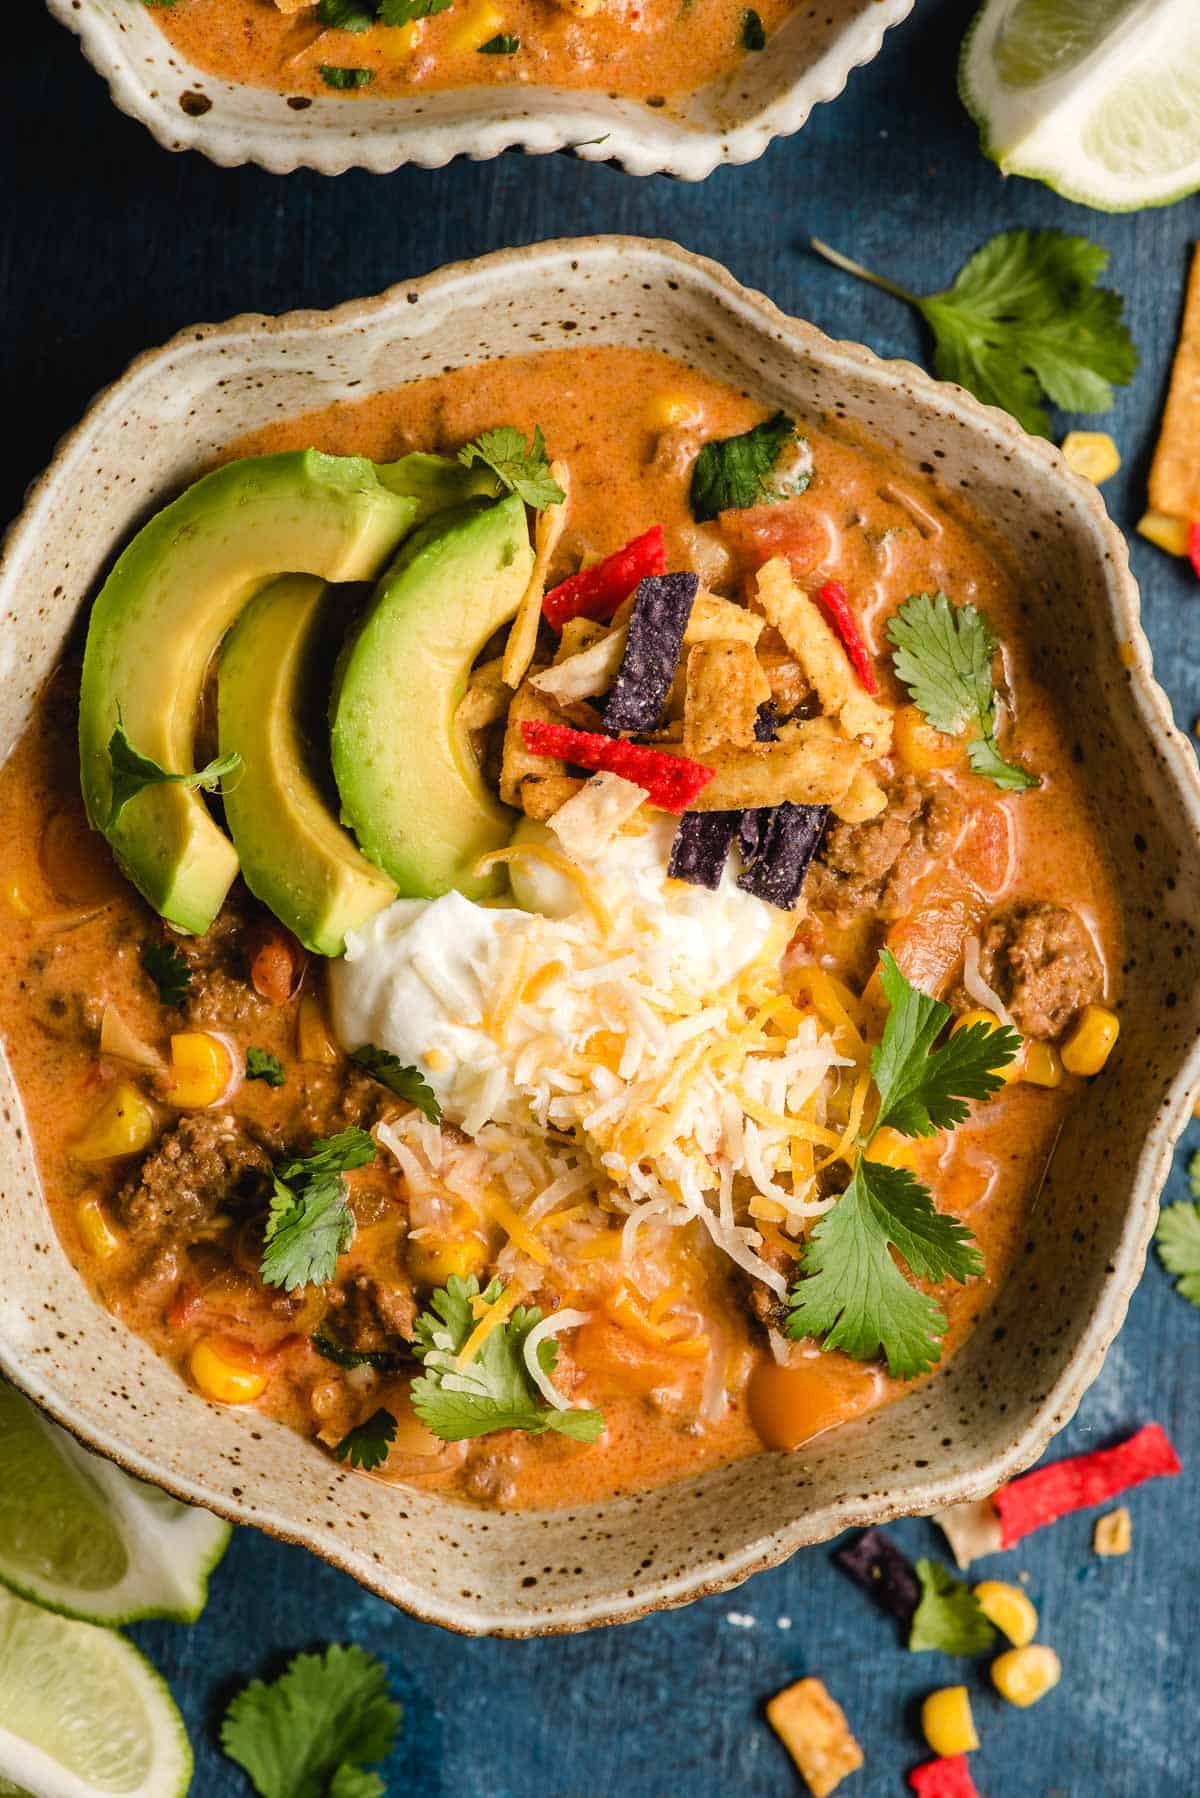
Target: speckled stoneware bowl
x=996, y=1406
x=731, y=120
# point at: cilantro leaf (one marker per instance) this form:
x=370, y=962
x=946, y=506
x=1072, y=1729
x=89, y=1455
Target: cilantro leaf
x=382, y=1360
x=262, y=1066
x=344, y=78
x=922, y=1089
x=170, y=971
x=494, y=1391
x=308, y=1733
x=132, y=772
x=346, y=15
x=309, y=1224
x=403, y=12
x=949, y=1616
x=520, y=467
x=1025, y=322
x=731, y=472
x=1177, y=1239
x=754, y=36
x=943, y=655
x=332, y=1155
x=503, y=44
x=1193, y=1174
x=367, y=1444
x=406, y=1082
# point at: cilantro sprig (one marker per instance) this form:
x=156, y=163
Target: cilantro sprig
x=406, y=1082
x=170, y=971
x=1177, y=1238
x=949, y=1617
x=1025, y=322
x=261, y=1065
x=495, y=1390
x=852, y=1293
x=731, y=473
x=132, y=772
x=310, y=1225
x=943, y=655
x=344, y=79
x=519, y=467
x=366, y=1446
x=312, y=1732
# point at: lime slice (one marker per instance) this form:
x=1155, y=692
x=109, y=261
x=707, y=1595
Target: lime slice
x=82, y=1712
x=80, y=1536
x=1098, y=98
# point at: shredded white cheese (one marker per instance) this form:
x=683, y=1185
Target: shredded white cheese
x=550, y=1326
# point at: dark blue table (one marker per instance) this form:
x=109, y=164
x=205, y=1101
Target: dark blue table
x=108, y=245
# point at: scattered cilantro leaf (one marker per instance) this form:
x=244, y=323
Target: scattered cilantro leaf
x=949, y=1616
x=170, y=971
x=732, y=472
x=366, y=1445
x=943, y=656
x=754, y=36
x=923, y=1089
x=520, y=467
x=406, y=1082
x=494, y=1391
x=1177, y=1239
x=309, y=1223
x=382, y=1360
x=346, y=15
x=262, y=1066
x=132, y=772
x=1025, y=322
x=308, y=1733
x=1193, y=1174
x=332, y=1155
x=403, y=12
x=503, y=44
x=344, y=78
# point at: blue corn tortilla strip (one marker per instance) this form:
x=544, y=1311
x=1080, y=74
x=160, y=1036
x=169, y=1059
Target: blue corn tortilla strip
x=874, y=1562
x=701, y=847
x=778, y=843
x=767, y=722
x=662, y=606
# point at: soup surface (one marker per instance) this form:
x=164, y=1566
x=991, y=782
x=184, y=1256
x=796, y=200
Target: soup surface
x=654, y=1077
x=656, y=50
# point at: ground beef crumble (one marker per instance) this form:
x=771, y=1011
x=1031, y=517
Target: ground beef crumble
x=200, y=1166
x=1040, y=959
x=874, y=866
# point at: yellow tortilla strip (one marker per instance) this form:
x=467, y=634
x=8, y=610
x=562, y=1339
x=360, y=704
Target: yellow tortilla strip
x=486, y=697
x=713, y=617
x=865, y=799
x=1175, y=471
x=519, y=764
x=819, y=653
x=809, y=764
x=812, y=1727
x=584, y=675
x=725, y=687
x=522, y=638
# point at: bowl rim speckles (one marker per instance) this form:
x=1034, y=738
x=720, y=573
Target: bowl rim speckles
x=808, y=61
x=992, y=1410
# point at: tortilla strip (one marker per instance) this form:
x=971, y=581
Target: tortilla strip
x=584, y=675
x=549, y=527
x=518, y=764
x=715, y=617
x=865, y=799
x=486, y=697
x=542, y=798
x=1175, y=471
x=725, y=687
x=809, y=763
x=819, y=653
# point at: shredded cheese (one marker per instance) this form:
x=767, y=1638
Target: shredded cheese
x=549, y=1327
x=493, y=1316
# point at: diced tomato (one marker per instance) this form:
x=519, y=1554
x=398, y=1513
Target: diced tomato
x=784, y=529
x=276, y=961
x=185, y=1307
x=985, y=853
x=1193, y=542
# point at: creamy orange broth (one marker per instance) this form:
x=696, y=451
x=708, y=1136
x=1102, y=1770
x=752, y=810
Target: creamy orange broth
x=72, y=933
x=656, y=50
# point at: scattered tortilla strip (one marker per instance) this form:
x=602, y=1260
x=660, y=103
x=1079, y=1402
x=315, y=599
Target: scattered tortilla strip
x=874, y=1562
x=808, y=764
x=947, y=1777
x=866, y=799
x=544, y=795
x=724, y=690
x=486, y=697
x=661, y=609
x=1175, y=471
x=777, y=848
x=1113, y=1534
x=671, y=781
x=547, y=530
x=582, y=676
x=823, y=659
x=587, y=823
x=517, y=762
x=812, y=1727
x=701, y=847
x=972, y=1530
x=294, y=5
x=715, y=617
x=1049, y=1493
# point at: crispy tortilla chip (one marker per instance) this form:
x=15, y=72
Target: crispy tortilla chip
x=486, y=697
x=542, y=796
x=518, y=764
x=777, y=848
x=866, y=799
x=1175, y=471
x=725, y=688
x=715, y=617
x=522, y=638
x=808, y=764
x=1113, y=1533
x=812, y=1727
x=584, y=675
x=578, y=634
x=822, y=658
x=589, y=821
x=701, y=846
x=661, y=608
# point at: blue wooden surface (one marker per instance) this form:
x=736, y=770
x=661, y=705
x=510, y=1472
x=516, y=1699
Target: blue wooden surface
x=107, y=245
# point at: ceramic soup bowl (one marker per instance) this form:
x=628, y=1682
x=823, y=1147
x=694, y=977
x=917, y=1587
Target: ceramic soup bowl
x=995, y=1406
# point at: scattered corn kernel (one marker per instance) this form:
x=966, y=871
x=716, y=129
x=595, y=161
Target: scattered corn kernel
x=122, y=1125
x=313, y=1039
x=399, y=41
x=1009, y=1609
x=921, y=748
x=947, y=1721
x=892, y=1149
x=1024, y=1675
x=1091, y=1041
x=201, y=1070
x=982, y=1016
x=1093, y=454
x=431, y=1262
x=481, y=21
x=1164, y=532
x=1042, y=1064
x=98, y=1234
x=667, y=411
x=812, y=1727
x=1113, y=1534
x=226, y=1372
x=16, y=900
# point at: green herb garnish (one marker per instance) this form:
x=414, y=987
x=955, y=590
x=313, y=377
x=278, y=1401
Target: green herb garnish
x=406, y=1082
x=311, y=1732
x=345, y=78
x=949, y=1617
x=403, y=12
x=382, y=1360
x=261, y=1066
x=503, y=44
x=170, y=971
x=346, y=15
x=1177, y=1238
x=133, y=772
x=733, y=472
x=366, y=1446
x=519, y=467
x=754, y=37
x=309, y=1224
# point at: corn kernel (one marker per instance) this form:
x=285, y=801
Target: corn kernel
x=481, y=21
x=1042, y=1064
x=399, y=41
x=1165, y=532
x=1113, y=1534
x=226, y=1372
x=1024, y=1675
x=947, y=1721
x=1009, y=1609
x=892, y=1149
x=1093, y=454
x=122, y=1125
x=921, y=748
x=432, y=1262
x=667, y=411
x=313, y=1040
x=98, y=1234
x=981, y=1016
x=202, y=1069
x=16, y=899
x=1091, y=1042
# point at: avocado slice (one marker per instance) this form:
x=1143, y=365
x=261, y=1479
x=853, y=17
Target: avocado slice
x=160, y=616
x=409, y=784
x=436, y=482
x=295, y=855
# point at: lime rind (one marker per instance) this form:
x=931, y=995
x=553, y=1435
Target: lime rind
x=1141, y=81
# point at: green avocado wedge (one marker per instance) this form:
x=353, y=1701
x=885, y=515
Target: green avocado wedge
x=161, y=615
x=295, y=856
x=409, y=784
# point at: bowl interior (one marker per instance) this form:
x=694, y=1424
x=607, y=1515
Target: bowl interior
x=1022, y=1373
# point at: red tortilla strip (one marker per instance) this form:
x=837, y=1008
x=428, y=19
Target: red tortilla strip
x=671, y=781
x=599, y=591
x=1049, y=1493
x=835, y=603
x=947, y=1777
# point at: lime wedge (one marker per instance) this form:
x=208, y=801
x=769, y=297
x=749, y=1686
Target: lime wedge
x=82, y=1712
x=1098, y=98
x=81, y=1537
